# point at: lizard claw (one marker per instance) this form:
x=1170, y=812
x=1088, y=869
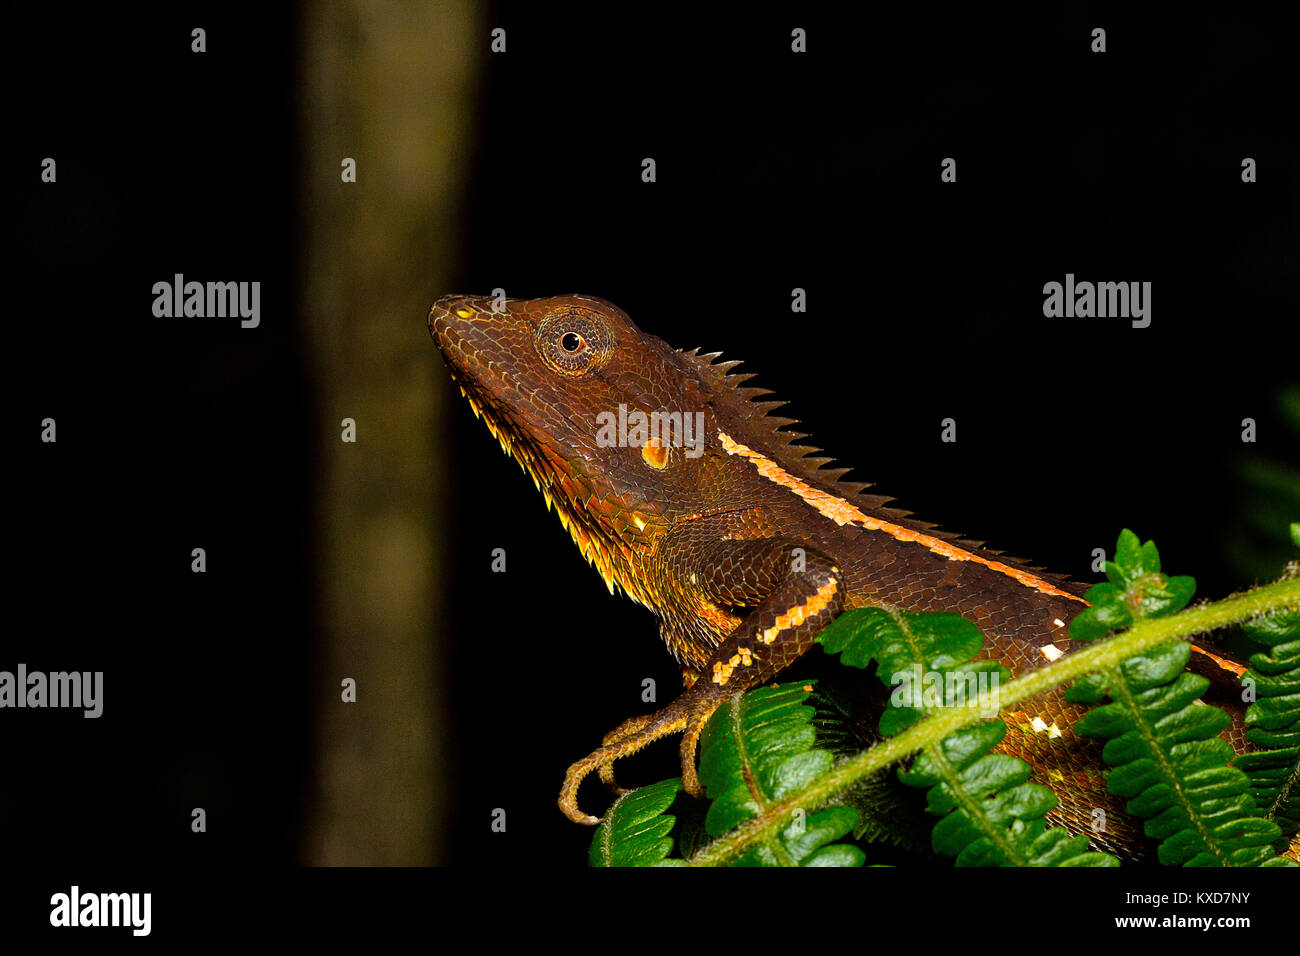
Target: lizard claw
x=600, y=760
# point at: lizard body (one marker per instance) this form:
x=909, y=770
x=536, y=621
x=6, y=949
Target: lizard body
x=745, y=545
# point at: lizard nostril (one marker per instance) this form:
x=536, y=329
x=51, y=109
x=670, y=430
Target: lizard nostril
x=454, y=305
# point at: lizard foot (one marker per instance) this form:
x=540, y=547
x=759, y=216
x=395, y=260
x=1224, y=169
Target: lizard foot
x=687, y=715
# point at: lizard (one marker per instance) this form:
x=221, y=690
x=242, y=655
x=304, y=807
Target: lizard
x=745, y=544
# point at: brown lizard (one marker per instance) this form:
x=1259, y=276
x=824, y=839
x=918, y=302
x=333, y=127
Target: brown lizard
x=743, y=543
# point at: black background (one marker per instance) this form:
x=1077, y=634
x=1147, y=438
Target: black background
x=774, y=171
x=171, y=435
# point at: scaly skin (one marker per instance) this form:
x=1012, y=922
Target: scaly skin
x=747, y=550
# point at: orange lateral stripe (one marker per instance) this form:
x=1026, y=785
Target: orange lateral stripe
x=1227, y=665
x=842, y=513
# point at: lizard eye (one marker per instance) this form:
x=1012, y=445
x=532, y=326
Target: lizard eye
x=573, y=342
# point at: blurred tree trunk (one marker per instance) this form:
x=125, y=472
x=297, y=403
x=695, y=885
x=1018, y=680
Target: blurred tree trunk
x=388, y=85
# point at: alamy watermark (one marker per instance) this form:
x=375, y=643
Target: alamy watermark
x=1101, y=300
x=208, y=300
x=74, y=689
x=76, y=908
x=928, y=689
x=662, y=429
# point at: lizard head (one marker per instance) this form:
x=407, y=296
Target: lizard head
x=601, y=415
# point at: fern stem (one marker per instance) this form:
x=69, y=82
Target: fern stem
x=760, y=798
x=1103, y=655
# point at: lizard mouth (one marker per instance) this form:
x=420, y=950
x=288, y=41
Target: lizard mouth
x=465, y=332
x=457, y=324
x=468, y=367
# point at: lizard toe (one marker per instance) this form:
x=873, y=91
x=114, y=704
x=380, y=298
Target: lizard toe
x=606, y=774
x=648, y=729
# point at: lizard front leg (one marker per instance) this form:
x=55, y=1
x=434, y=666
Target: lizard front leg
x=793, y=593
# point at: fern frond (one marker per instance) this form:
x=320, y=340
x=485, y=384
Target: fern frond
x=888, y=812
x=636, y=831
x=991, y=815
x=756, y=750
x=1273, y=719
x=1161, y=739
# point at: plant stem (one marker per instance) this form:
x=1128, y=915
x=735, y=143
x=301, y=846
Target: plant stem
x=1100, y=656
